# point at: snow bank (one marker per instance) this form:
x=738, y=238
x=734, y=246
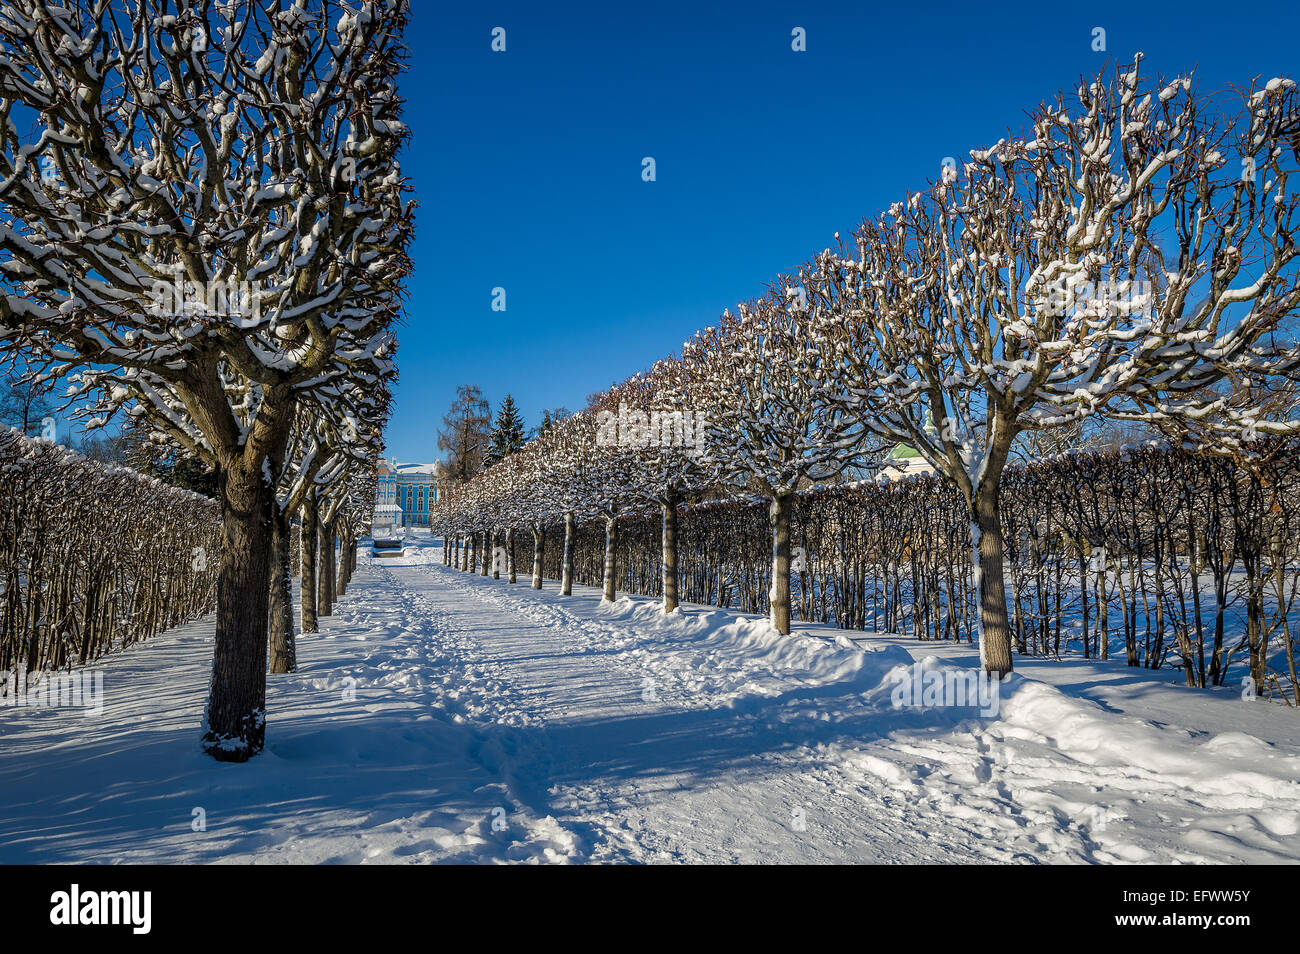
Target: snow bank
x=441, y=716
x=743, y=656
x=1053, y=776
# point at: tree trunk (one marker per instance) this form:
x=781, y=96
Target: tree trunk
x=779, y=596
x=486, y=561
x=510, y=553
x=670, y=553
x=566, y=574
x=310, y=548
x=995, y=628
x=283, y=650
x=539, y=543
x=1103, y=614
x=325, y=598
x=235, y=721
x=611, y=540
x=344, y=570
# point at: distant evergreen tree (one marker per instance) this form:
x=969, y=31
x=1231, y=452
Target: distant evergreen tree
x=550, y=417
x=508, y=432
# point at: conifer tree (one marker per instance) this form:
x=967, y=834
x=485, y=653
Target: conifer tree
x=507, y=432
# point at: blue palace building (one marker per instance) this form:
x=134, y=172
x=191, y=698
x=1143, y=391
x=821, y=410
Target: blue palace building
x=412, y=488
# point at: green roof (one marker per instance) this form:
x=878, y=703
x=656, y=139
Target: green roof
x=902, y=452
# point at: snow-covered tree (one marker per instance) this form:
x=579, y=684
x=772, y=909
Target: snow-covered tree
x=333, y=444
x=202, y=209
x=25, y=399
x=616, y=476
x=667, y=433
x=763, y=374
x=93, y=556
x=567, y=485
x=1130, y=252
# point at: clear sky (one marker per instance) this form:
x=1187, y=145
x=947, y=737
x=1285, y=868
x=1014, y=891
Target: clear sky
x=527, y=163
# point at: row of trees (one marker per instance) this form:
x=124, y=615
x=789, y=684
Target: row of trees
x=94, y=557
x=1169, y=554
x=1130, y=257
x=27, y=404
x=204, y=227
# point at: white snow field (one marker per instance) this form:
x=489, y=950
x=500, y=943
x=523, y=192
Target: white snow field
x=445, y=717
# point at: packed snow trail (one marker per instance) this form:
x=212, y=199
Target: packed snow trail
x=630, y=766
x=441, y=716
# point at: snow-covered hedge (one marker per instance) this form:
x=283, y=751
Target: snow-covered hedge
x=1154, y=529
x=94, y=556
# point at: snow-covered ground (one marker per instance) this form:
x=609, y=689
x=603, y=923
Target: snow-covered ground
x=442, y=716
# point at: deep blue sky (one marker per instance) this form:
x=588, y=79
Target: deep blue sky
x=527, y=163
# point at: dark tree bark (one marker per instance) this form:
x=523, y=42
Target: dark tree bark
x=345, y=565
x=566, y=581
x=235, y=721
x=510, y=553
x=779, y=597
x=995, y=626
x=310, y=549
x=611, y=541
x=325, y=597
x=670, y=553
x=283, y=651
x=539, y=545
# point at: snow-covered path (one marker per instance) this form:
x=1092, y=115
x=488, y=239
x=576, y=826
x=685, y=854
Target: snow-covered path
x=608, y=742
x=442, y=716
